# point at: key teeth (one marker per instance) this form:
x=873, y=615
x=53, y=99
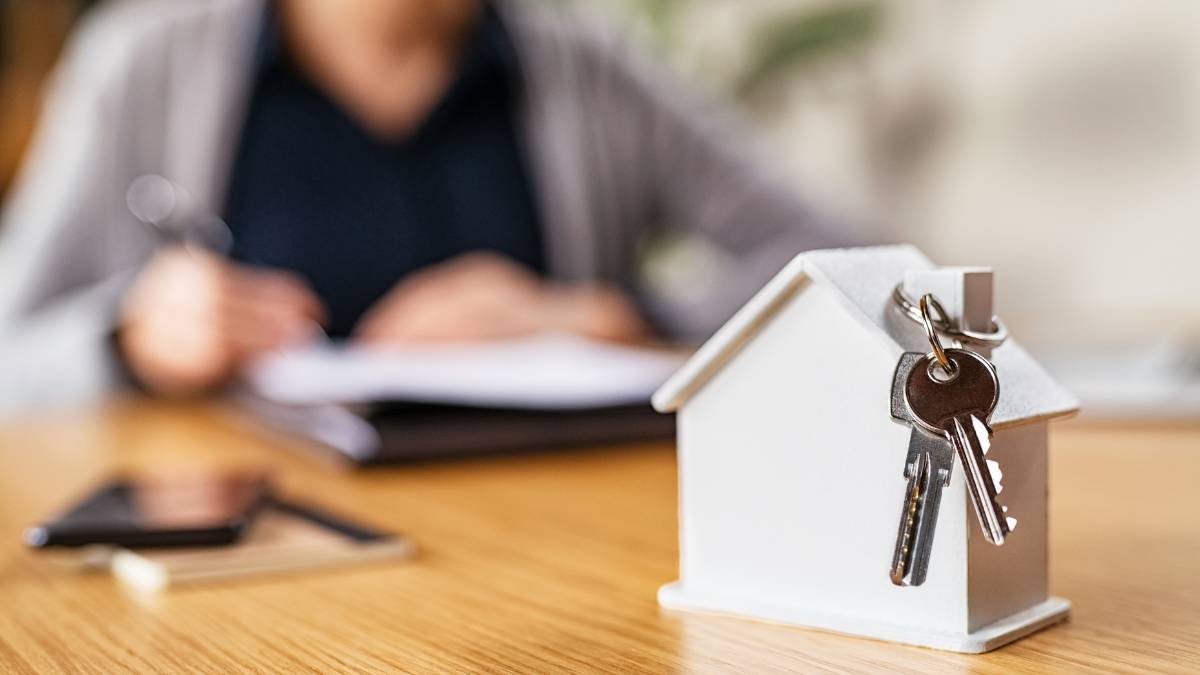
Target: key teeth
x=983, y=431
x=1012, y=522
x=996, y=474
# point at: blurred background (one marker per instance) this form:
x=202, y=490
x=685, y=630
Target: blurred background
x=1058, y=142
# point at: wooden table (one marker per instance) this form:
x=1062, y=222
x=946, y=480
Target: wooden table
x=550, y=563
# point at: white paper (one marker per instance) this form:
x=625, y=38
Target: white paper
x=542, y=372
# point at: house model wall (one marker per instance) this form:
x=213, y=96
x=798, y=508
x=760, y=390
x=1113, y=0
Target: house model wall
x=791, y=469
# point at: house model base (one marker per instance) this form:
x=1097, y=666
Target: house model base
x=997, y=634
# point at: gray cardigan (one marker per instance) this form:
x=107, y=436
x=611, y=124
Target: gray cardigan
x=159, y=87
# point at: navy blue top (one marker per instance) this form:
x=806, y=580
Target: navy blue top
x=314, y=192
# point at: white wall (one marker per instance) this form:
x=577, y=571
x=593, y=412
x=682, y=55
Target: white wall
x=1056, y=141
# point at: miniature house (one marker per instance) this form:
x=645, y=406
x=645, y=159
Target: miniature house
x=791, y=468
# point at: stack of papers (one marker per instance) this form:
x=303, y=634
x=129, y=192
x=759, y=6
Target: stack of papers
x=549, y=372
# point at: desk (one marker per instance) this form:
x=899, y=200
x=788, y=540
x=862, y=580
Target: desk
x=550, y=563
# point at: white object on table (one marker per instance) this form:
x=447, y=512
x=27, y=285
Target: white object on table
x=792, y=469
x=539, y=372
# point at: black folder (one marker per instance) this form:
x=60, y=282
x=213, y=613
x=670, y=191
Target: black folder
x=388, y=433
x=417, y=432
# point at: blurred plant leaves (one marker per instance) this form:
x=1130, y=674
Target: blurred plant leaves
x=805, y=37
x=660, y=14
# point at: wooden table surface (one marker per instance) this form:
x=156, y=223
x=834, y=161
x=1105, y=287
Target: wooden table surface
x=550, y=563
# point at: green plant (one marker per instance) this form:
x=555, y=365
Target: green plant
x=806, y=37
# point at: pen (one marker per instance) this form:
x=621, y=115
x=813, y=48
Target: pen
x=167, y=208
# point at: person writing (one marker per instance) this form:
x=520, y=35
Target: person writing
x=390, y=171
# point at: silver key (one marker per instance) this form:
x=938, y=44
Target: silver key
x=958, y=406
x=927, y=468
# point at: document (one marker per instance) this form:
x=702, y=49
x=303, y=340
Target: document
x=546, y=372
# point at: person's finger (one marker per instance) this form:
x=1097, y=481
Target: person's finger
x=390, y=325
x=492, y=270
x=371, y=325
x=468, y=270
x=258, y=309
x=457, y=323
x=274, y=287
x=263, y=326
x=405, y=306
x=477, y=296
x=177, y=354
x=400, y=323
x=596, y=311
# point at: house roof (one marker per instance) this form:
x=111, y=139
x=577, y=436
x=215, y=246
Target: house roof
x=863, y=279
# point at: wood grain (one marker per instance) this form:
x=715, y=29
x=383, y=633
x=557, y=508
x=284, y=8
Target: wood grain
x=550, y=563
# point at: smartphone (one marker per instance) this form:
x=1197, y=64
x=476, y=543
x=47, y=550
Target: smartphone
x=158, y=512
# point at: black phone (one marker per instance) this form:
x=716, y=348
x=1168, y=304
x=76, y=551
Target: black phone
x=158, y=511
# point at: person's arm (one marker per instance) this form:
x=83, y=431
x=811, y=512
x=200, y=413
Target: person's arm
x=700, y=181
x=85, y=303
x=58, y=291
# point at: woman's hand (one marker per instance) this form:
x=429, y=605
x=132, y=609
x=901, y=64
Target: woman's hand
x=191, y=320
x=484, y=296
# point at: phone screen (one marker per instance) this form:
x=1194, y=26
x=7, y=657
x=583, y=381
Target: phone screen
x=158, y=511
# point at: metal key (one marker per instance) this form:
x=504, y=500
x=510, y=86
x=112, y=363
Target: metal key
x=957, y=405
x=927, y=469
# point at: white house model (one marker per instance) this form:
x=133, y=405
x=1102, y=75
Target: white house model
x=791, y=468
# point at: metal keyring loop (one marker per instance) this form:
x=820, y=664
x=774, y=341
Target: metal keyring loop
x=927, y=302
x=993, y=338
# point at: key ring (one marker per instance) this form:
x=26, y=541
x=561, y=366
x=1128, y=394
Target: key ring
x=993, y=338
x=929, y=302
